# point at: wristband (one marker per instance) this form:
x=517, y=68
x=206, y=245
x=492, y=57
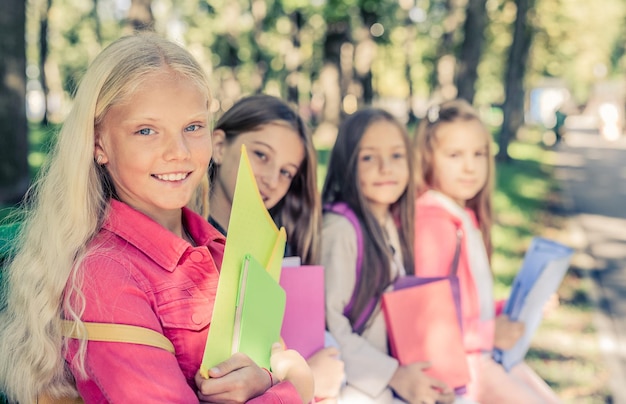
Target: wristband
x=270, y=375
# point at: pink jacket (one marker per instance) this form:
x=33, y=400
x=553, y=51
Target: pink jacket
x=136, y=272
x=435, y=243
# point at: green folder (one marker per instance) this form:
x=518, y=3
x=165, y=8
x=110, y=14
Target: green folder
x=259, y=312
x=252, y=231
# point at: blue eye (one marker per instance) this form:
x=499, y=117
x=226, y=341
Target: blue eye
x=260, y=155
x=145, y=131
x=398, y=156
x=287, y=174
x=193, y=128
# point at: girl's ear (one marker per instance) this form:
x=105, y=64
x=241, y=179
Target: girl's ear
x=219, y=145
x=100, y=155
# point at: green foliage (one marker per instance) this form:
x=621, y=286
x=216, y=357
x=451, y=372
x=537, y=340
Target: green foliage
x=578, y=41
x=248, y=45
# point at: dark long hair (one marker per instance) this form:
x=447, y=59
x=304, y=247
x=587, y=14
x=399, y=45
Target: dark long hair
x=299, y=211
x=342, y=185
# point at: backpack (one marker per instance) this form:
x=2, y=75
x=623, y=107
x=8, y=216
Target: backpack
x=342, y=208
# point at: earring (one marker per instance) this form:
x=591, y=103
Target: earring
x=99, y=159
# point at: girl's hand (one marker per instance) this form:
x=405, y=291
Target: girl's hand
x=328, y=372
x=234, y=381
x=551, y=305
x=289, y=365
x=507, y=332
x=414, y=386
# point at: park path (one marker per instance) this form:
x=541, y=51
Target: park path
x=592, y=174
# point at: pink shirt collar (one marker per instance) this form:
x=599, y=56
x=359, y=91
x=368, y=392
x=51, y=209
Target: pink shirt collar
x=148, y=236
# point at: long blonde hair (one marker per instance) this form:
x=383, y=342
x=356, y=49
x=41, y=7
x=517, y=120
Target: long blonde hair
x=424, y=145
x=65, y=210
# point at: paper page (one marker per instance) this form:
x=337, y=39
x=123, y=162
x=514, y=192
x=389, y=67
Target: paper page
x=289, y=262
x=251, y=230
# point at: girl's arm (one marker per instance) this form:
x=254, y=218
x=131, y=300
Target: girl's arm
x=328, y=372
x=367, y=367
x=240, y=380
x=124, y=372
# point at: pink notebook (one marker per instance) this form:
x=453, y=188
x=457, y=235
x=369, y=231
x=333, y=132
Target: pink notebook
x=422, y=325
x=304, y=320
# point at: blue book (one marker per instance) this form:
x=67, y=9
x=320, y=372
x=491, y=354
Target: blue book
x=542, y=271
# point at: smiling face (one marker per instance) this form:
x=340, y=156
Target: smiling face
x=460, y=160
x=276, y=153
x=156, y=145
x=382, y=166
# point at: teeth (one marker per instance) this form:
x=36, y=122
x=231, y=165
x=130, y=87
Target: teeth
x=172, y=177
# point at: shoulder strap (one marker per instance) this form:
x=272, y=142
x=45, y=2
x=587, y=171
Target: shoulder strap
x=342, y=208
x=109, y=333
x=454, y=266
x=118, y=333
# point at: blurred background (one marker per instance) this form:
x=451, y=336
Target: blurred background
x=518, y=61
x=533, y=68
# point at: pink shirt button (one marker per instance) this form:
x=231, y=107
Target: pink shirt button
x=196, y=256
x=196, y=318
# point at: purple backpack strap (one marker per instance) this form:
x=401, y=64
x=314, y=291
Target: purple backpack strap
x=342, y=208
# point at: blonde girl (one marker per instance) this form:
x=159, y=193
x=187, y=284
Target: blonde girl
x=370, y=173
x=455, y=180
x=108, y=239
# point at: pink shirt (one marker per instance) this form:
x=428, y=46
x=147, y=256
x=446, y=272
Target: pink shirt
x=435, y=244
x=137, y=272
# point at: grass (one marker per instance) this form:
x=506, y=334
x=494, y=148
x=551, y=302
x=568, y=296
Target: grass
x=565, y=350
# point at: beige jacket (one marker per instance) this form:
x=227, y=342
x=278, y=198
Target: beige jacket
x=368, y=365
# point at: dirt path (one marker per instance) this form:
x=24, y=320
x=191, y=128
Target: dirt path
x=592, y=174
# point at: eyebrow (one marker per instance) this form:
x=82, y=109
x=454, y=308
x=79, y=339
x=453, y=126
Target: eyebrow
x=402, y=146
x=259, y=142
x=200, y=116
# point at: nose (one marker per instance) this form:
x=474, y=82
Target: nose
x=385, y=164
x=469, y=163
x=270, y=177
x=177, y=147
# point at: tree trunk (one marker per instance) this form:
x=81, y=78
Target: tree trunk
x=365, y=53
x=43, y=56
x=140, y=16
x=96, y=20
x=471, y=49
x=443, y=80
x=331, y=76
x=294, y=65
x=409, y=49
x=14, y=174
x=513, y=107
